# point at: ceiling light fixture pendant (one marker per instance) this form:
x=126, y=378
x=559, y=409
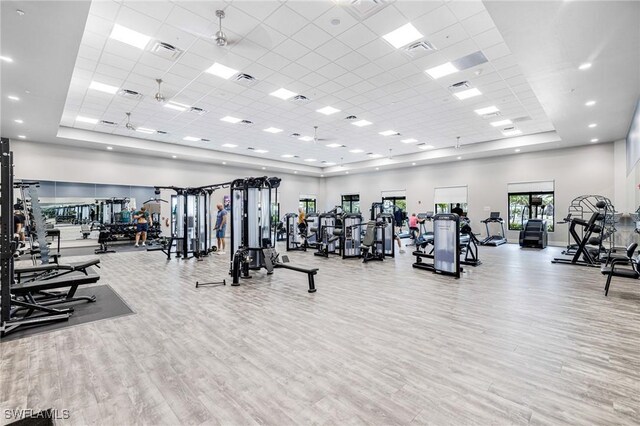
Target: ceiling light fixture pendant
x=457, y=142
x=159, y=96
x=128, y=125
x=220, y=37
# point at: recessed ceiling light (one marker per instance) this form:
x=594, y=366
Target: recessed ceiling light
x=377, y=168
x=261, y=151
x=329, y=163
x=356, y=151
x=106, y=88
x=441, y=70
x=190, y=139
x=346, y=173
x=229, y=145
x=512, y=132
x=22, y=136
x=20, y=121
x=413, y=164
x=466, y=94
x=328, y=110
x=145, y=130
x=334, y=145
x=487, y=110
x=13, y=98
x=6, y=59
x=425, y=146
x=594, y=140
x=264, y=168
x=585, y=66
x=221, y=71
x=590, y=103
x=459, y=158
x=388, y=133
x=305, y=138
x=130, y=37
x=224, y=163
x=501, y=123
x=295, y=172
x=375, y=155
x=517, y=150
x=321, y=175
x=283, y=94
x=174, y=156
x=109, y=148
x=230, y=119
x=175, y=105
x=402, y=36
x=592, y=125
x=272, y=130
x=82, y=119
x=361, y=123
x=310, y=160
x=287, y=156
x=410, y=140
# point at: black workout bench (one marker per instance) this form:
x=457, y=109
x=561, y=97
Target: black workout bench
x=310, y=273
x=50, y=271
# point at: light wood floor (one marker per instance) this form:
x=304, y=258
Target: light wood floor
x=515, y=341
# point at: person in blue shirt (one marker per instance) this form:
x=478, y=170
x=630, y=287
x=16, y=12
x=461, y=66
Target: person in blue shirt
x=221, y=227
x=143, y=220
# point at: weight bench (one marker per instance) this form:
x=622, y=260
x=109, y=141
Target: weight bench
x=310, y=273
x=49, y=271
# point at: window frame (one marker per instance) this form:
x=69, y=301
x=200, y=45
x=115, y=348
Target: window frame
x=531, y=194
x=305, y=202
x=351, y=199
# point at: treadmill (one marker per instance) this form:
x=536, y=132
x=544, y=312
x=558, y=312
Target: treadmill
x=495, y=239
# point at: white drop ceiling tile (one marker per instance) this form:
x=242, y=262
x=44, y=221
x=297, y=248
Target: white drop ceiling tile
x=258, y=71
x=248, y=49
x=382, y=23
x=393, y=60
x=345, y=93
x=286, y=21
x=357, y=36
x=488, y=38
x=238, y=21
x=521, y=88
x=414, y=9
x=266, y=36
x=310, y=9
x=159, y=10
x=352, y=60
x=312, y=61
x=105, y=9
x=376, y=49
x=140, y=22
x=175, y=36
x=331, y=71
x=121, y=49
x=295, y=71
x=281, y=80
x=516, y=81
x=478, y=23
x=429, y=61
x=407, y=70
x=510, y=72
x=136, y=82
x=96, y=41
x=145, y=70
x=434, y=21
x=330, y=87
x=312, y=36
x=496, y=52
x=368, y=71
x=86, y=64
x=498, y=94
x=333, y=49
x=347, y=80
x=449, y=36
x=458, y=50
x=465, y=8
x=156, y=62
x=112, y=71
x=363, y=87
x=97, y=25
x=336, y=12
x=274, y=61
x=504, y=62
x=291, y=50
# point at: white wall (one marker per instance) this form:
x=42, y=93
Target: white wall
x=62, y=163
x=576, y=171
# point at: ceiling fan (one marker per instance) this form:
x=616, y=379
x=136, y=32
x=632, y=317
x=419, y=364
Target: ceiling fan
x=128, y=124
x=316, y=139
x=220, y=37
x=159, y=96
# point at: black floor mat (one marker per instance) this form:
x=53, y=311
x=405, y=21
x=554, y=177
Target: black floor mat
x=108, y=304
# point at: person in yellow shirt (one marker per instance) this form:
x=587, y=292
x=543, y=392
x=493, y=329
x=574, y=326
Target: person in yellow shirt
x=302, y=224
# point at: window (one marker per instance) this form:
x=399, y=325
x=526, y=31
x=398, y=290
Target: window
x=351, y=203
x=446, y=198
x=308, y=205
x=392, y=204
x=530, y=205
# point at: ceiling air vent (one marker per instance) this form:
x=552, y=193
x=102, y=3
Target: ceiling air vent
x=205, y=140
x=162, y=132
x=130, y=94
x=246, y=79
x=351, y=117
x=108, y=123
x=165, y=50
x=459, y=85
x=246, y=122
x=419, y=48
x=295, y=135
x=493, y=114
x=521, y=119
x=363, y=9
x=300, y=99
x=198, y=111
x=506, y=129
